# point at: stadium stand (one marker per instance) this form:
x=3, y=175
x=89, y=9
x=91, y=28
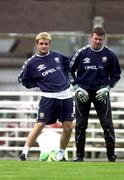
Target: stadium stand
x=18, y=116
x=21, y=20
x=60, y=15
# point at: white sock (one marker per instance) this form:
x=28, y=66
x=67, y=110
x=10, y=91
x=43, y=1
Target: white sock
x=60, y=154
x=26, y=150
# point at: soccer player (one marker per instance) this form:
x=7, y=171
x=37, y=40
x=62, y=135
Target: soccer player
x=95, y=70
x=48, y=70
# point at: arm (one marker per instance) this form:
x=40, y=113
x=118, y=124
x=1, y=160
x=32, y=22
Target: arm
x=24, y=77
x=115, y=72
x=80, y=93
x=73, y=65
x=65, y=65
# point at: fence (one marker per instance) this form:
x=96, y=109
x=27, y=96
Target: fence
x=18, y=112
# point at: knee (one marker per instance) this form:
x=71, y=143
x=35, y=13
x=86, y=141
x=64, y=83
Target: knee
x=39, y=126
x=68, y=126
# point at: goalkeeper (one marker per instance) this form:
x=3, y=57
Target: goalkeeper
x=95, y=70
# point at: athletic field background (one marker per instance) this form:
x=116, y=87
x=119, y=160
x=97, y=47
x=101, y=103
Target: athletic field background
x=36, y=170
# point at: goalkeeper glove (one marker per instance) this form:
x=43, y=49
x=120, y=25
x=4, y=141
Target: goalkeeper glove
x=102, y=93
x=81, y=94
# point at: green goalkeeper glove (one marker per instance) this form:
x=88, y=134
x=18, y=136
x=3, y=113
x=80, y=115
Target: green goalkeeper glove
x=102, y=93
x=81, y=94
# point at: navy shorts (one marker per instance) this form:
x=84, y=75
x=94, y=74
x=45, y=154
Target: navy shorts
x=52, y=109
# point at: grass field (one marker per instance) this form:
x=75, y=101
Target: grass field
x=36, y=170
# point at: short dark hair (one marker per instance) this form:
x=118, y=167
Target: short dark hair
x=100, y=31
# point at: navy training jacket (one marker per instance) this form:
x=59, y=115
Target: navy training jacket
x=93, y=70
x=48, y=72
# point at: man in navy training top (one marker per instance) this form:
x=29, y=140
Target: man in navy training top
x=48, y=70
x=95, y=70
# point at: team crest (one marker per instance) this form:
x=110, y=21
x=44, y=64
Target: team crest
x=57, y=59
x=41, y=115
x=104, y=59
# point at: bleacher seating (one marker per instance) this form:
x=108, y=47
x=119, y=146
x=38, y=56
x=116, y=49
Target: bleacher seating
x=18, y=116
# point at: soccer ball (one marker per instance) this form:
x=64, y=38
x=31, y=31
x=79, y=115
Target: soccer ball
x=44, y=156
x=51, y=156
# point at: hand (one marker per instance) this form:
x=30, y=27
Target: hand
x=102, y=93
x=81, y=94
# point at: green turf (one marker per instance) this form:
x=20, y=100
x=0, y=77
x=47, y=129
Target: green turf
x=36, y=170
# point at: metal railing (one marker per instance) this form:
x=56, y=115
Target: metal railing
x=17, y=118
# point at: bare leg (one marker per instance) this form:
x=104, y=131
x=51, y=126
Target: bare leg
x=66, y=134
x=64, y=140
x=32, y=136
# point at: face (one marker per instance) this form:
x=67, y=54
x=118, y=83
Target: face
x=97, y=41
x=43, y=46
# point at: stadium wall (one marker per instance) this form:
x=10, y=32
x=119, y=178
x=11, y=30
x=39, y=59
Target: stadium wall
x=27, y=16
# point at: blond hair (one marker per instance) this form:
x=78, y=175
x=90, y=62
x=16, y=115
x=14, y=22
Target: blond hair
x=44, y=36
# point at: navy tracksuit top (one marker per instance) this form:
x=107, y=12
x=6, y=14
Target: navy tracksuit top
x=48, y=72
x=93, y=70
